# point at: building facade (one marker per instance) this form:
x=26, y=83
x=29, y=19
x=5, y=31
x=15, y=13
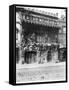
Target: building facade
x=39, y=36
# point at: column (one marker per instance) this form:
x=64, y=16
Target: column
x=19, y=27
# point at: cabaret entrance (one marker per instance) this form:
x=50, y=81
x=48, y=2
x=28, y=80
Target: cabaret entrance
x=41, y=43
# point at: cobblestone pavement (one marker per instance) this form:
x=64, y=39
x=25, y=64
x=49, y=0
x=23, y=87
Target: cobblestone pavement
x=46, y=73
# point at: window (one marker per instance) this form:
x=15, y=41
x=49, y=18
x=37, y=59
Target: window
x=64, y=30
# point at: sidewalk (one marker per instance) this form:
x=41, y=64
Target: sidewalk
x=35, y=65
